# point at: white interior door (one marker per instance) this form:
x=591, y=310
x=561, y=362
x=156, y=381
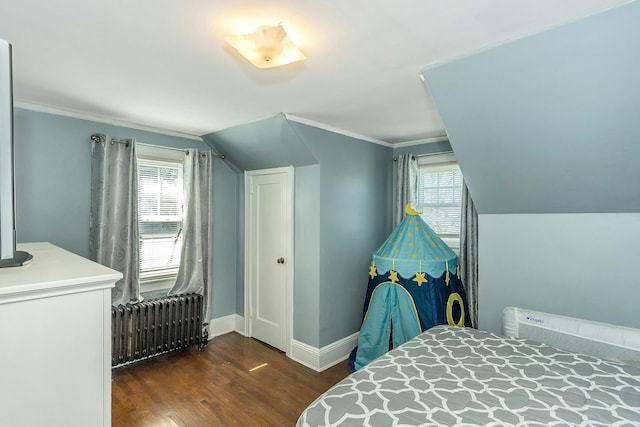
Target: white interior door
x=269, y=237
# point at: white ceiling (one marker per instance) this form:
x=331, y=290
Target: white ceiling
x=164, y=64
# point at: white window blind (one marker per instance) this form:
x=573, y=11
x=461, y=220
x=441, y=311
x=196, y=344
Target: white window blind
x=160, y=204
x=440, y=199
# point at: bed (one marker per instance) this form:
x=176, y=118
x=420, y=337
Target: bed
x=460, y=376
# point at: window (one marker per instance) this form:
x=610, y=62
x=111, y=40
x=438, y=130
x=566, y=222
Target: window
x=440, y=196
x=160, y=210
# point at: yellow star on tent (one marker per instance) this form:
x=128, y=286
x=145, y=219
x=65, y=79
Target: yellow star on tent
x=372, y=271
x=394, y=277
x=420, y=279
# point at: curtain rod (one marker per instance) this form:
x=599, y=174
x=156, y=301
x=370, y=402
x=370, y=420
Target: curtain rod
x=395, y=158
x=98, y=138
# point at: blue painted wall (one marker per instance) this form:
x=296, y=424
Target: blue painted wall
x=579, y=265
x=342, y=214
x=306, y=293
x=225, y=241
x=262, y=144
x=240, y=244
x=545, y=129
x=355, y=182
x=549, y=123
x=53, y=173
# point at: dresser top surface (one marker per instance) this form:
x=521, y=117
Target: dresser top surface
x=53, y=268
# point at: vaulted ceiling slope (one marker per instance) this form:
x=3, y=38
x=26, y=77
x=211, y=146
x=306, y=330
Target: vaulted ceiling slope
x=164, y=64
x=262, y=144
x=549, y=123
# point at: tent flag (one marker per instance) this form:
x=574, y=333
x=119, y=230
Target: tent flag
x=414, y=284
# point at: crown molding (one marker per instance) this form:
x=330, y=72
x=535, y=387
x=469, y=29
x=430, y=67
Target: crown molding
x=421, y=141
x=333, y=129
x=89, y=117
x=122, y=123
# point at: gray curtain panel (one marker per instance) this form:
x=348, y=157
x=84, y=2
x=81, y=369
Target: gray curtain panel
x=406, y=185
x=113, y=218
x=194, y=273
x=469, y=253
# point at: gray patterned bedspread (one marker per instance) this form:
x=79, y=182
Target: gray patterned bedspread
x=457, y=376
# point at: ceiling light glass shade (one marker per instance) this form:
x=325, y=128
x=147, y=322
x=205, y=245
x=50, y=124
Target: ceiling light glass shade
x=269, y=46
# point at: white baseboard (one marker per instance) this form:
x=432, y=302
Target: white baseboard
x=323, y=358
x=317, y=359
x=338, y=351
x=226, y=324
x=305, y=354
x=239, y=324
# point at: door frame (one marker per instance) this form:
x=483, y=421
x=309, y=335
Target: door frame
x=249, y=241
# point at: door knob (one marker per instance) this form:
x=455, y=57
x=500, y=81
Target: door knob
x=280, y=260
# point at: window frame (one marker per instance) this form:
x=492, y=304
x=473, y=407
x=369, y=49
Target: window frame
x=434, y=161
x=157, y=156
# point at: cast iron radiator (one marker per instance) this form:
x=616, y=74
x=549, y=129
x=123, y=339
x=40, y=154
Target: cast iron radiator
x=149, y=328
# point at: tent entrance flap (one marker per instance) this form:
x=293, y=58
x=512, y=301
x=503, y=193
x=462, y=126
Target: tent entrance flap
x=390, y=307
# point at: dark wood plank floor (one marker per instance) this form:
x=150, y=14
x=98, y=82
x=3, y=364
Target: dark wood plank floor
x=216, y=387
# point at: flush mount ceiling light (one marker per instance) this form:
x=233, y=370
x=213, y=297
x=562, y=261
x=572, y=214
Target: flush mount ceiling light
x=267, y=47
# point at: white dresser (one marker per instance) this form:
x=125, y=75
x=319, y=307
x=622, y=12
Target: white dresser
x=55, y=340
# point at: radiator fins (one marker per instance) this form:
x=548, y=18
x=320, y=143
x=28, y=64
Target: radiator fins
x=149, y=328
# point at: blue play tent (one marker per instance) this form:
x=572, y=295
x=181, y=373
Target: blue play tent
x=414, y=284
